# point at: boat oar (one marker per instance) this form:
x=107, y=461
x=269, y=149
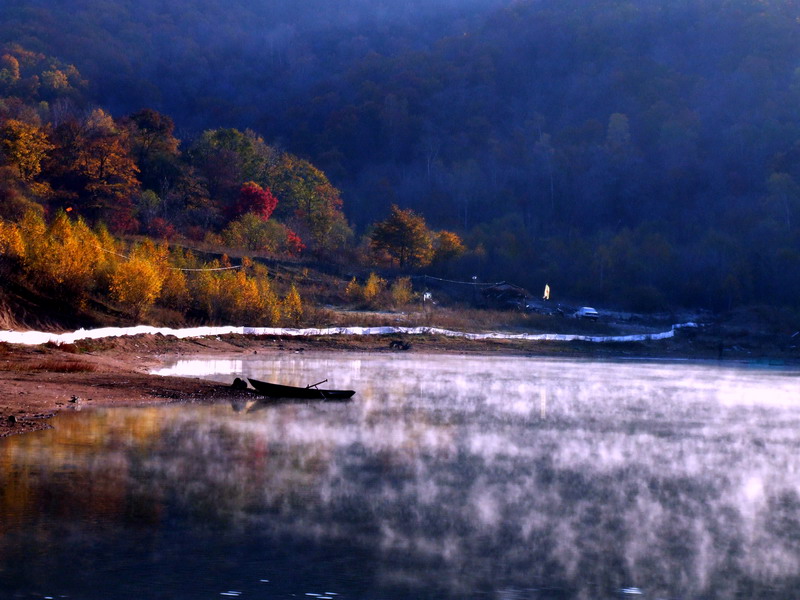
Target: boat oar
x=316, y=384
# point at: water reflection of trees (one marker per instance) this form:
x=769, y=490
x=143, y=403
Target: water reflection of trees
x=465, y=486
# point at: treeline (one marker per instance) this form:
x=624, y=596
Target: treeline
x=75, y=182
x=639, y=153
x=131, y=173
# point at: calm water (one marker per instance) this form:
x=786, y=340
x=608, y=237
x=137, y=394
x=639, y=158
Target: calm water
x=447, y=477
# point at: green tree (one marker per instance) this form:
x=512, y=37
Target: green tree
x=309, y=202
x=251, y=232
x=227, y=158
x=155, y=147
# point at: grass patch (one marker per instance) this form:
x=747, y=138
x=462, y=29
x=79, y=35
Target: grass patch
x=68, y=348
x=55, y=366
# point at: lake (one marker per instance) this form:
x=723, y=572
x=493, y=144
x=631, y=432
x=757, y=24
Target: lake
x=447, y=476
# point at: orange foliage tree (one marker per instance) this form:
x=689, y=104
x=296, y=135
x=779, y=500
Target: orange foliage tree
x=405, y=237
x=25, y=146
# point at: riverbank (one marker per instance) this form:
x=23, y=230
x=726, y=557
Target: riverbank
x=37, y=382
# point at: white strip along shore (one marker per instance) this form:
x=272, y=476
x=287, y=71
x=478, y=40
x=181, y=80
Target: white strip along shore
x=33, y=338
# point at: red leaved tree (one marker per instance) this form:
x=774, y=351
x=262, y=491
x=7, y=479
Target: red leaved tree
x=254, y=199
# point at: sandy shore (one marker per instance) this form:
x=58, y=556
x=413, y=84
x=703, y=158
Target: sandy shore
x=36, y=382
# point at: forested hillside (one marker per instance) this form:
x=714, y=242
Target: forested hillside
x=639, y=153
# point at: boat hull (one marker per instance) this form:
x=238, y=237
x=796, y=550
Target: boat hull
x=274, y=390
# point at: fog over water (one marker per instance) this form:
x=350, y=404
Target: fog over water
x=447, y=476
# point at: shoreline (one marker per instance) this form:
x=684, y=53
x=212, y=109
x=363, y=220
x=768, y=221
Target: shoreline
x=39, y=381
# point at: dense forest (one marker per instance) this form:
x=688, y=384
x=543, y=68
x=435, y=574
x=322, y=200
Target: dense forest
x=644, y=154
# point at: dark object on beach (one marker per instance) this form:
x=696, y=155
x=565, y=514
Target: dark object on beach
x=273, y=390
x=239, y=384
x=12, y=420
x=399, y=345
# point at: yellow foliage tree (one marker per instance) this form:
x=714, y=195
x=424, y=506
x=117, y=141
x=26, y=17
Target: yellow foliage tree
x=293, y=306
x=353, y=291
x=109, y=258
x=402, y=291
x=11, y=242
x=136, y=284
x=373, y=287
x=447, y=246
x=63, y=257
x=175, y=290
x=25, y=146
x=245, y=301
x=205, y=289
x=271, y=302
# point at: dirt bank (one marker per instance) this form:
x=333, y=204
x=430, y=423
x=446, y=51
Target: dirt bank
x=36, y=382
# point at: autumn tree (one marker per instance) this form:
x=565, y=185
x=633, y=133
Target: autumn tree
x=155, y=147
x=250, y=232
x=136, y=284
x=309, y=201
x=254, y=199
x=12, y=246
x=93, y=169
x=106, y=161
x=353, y=291
x=373, y=287
x=226, y=158
x=405, y=237
x=293, y=306
x=402, y=291
x=33, y=76
x=447, y=246
x=25, y=146
x=62, y=257
x=9, y=72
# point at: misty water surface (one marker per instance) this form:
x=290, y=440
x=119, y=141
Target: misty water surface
x=446, y=477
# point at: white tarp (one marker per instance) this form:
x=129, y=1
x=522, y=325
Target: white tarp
x=40, y=337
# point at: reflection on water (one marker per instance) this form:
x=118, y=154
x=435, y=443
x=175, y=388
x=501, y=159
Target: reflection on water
x=447, y=476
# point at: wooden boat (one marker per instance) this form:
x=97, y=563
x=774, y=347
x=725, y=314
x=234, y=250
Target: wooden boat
x=312, y=392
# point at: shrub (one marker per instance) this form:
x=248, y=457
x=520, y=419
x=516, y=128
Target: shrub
x=251, y=232
x=373, y=287
x=353, y=291
x=402, y=291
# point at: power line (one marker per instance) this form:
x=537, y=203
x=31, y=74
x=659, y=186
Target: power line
x=174, y=268
x=458, y=282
